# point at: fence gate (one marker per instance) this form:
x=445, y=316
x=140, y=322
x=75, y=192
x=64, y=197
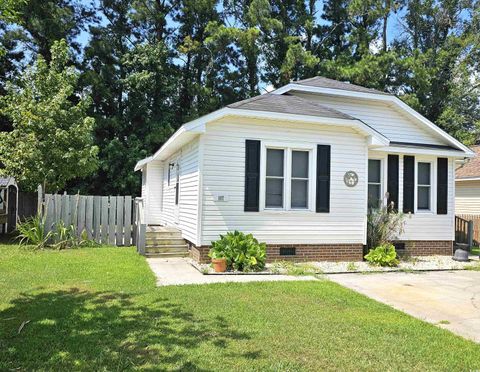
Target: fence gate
x=464, y=231
x=105, y=219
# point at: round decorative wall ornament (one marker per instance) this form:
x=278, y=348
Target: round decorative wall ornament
x=350, y=178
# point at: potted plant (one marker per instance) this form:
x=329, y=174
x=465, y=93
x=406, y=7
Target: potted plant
x=219, y=262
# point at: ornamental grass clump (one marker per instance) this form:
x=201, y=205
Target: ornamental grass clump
x=384, y=225
x=242, y=252
x=33, y=233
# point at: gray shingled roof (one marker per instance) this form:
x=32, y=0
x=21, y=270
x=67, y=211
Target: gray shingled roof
x=323, y=82
x=287, y=104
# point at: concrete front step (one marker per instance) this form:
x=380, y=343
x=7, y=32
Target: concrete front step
x=164, y=235
x=166, y=255
x=167, y=249
x=164, y=241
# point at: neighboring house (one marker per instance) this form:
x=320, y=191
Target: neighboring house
x=298, y=167
x=467, y=186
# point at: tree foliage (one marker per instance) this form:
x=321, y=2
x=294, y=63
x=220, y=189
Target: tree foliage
x=152, y=65
x=51, y=140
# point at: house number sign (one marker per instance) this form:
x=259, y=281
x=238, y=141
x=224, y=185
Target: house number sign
x=350, y=178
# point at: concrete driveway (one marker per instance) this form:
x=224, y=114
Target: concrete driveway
x=450, y=299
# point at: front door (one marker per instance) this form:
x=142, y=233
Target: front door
x=177, y=192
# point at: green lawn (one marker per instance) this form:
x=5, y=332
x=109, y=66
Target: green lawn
x=476, y=250
x=98, y=309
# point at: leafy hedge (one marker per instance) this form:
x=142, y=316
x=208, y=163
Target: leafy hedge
x=242, y=251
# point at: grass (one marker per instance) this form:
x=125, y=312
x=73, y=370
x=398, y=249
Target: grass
x=98, y=309
x=475, y=251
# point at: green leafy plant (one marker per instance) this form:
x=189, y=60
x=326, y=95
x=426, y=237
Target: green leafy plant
x=352, y=266
x=294, y=269
x=383, y=225
x=32, y=232
x=242, y=251
x=383, y=255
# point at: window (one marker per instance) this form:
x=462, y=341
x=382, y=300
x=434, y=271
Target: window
x=374, y=183
x=287, y=178
x=423, y=186
x=299, y=189
x=274, y=183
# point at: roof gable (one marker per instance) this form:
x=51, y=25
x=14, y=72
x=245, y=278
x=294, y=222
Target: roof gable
x=385, y=118
x=323, y=82
x=325, y=86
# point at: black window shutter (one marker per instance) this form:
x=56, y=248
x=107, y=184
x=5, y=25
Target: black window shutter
x=392, y=181
x=252, y=175
x=323, y=179
x=442, y=185
x=408, y=184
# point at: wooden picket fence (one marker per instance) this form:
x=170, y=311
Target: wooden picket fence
x=105, y=219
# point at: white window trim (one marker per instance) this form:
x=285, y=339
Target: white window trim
x=433, y=186
x=383, y=171
x=312, y=165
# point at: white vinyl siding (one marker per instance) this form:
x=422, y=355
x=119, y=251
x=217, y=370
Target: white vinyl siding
x=184, y=216
x=384, y=118
x=153, y=188
x=224, y=174
x=467, y=197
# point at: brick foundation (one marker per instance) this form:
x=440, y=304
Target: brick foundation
x=335, y=252
x=304, y=252
x=199, y=254
x=428, y=247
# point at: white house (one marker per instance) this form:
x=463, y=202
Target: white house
x=298, y=167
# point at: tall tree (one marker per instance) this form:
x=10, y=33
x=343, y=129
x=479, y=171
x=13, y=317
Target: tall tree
x=51, y=141
x=10, y=64
x=130, y=73
x=193, y=17
x=42, y=22
x=283, y=42
x=437, y=56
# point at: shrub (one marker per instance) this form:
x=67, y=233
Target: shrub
x=242, y=251
x=383, y=226
x=383, y=255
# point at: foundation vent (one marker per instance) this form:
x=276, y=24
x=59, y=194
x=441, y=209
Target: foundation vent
x=288, y=251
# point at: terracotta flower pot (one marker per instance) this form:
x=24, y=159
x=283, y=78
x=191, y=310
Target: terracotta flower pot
x=219, y=265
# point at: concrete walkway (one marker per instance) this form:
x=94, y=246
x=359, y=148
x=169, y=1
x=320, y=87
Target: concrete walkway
x=450, y=299
x=175, y=271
